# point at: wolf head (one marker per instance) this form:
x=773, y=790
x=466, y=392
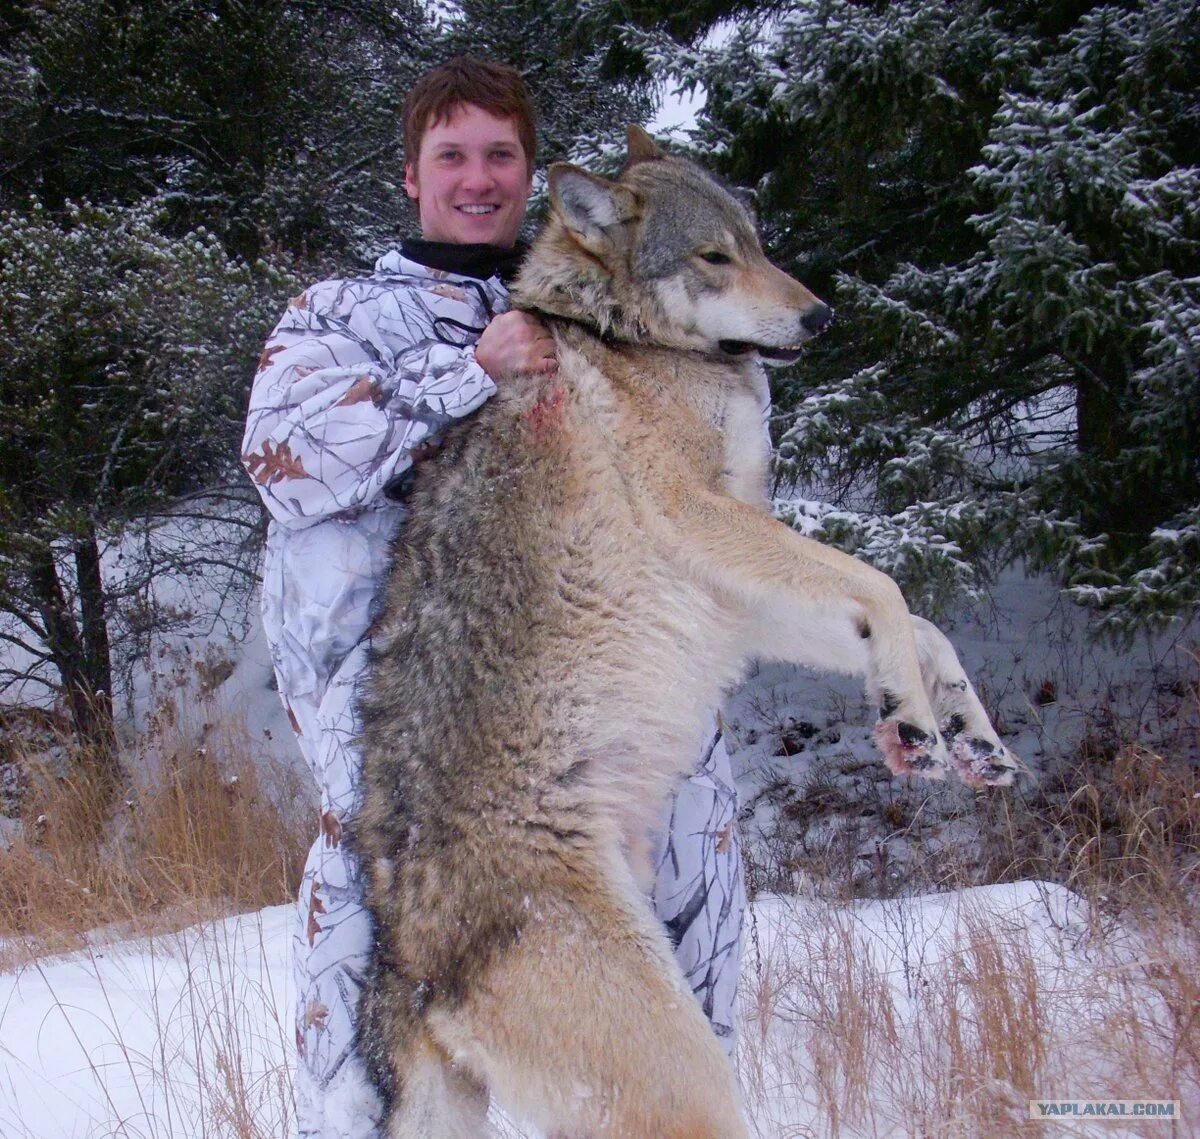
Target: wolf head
x=665, y=256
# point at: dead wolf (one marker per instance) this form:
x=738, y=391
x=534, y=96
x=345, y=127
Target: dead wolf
x=588, y=565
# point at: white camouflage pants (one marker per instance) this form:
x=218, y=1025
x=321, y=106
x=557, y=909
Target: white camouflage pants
x=699, y=894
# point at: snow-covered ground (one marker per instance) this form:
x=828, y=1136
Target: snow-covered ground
x=811, y=782
x=174, y=1036
x=186, y=1035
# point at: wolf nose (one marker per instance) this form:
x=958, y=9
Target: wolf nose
x=817, y=319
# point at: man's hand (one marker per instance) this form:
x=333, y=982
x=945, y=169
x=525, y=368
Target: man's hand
x=513, y=343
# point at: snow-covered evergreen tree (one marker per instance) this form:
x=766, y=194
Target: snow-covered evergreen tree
x=227, y=150
x=122, y=389
x=276, y=124
x=1001, y=200
x=273, y=124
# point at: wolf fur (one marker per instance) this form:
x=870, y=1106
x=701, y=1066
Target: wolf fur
x=589, y=564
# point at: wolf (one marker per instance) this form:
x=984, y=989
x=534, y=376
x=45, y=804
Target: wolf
x=588, y=565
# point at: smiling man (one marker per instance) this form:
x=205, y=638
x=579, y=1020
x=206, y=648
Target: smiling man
x=358, y=383
x=471, y=179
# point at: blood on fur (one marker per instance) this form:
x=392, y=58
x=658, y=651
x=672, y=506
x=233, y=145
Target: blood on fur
x=548, y=411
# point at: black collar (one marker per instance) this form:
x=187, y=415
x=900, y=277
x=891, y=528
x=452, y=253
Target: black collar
x=478, y=261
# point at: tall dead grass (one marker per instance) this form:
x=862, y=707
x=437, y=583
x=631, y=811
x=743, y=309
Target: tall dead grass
x=1120, y=826
x=885, y=1025
x=205, y=826
x=841, y=1040
x=852, y=1026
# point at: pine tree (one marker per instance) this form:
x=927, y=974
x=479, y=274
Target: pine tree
x=1001, y=200
x=274, y=124
x=165, y=170
x=124, y=376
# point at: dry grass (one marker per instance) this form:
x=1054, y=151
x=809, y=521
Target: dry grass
x=180, y=1036
x=188, y=1034
x=875, y=1022
x=841, y=1040
x=203, y=828
x=1120, y=826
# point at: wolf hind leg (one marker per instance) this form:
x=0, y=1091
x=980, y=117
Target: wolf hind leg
x=437, y=1097
x=585, y=1028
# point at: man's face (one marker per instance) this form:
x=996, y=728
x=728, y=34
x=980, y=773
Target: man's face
x=471, y=179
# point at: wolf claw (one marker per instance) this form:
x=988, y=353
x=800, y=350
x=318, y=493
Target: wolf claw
x=982, y=763
x=908, y=750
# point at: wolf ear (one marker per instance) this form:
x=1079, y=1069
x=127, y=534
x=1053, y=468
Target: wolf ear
x=589, y=206
x=642, y=148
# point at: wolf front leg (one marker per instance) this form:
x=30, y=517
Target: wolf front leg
x=979, y=756
x=814, y=605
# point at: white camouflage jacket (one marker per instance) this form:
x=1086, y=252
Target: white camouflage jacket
x=356, y=377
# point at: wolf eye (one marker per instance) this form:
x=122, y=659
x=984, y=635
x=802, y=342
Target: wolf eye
x=713, y=257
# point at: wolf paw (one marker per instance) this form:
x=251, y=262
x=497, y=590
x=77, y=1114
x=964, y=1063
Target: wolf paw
x=908, y=750
x=981, y=763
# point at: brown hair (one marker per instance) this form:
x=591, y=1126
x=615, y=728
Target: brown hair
x=495, y=87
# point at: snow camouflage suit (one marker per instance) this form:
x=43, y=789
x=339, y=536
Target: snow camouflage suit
x=354, y=386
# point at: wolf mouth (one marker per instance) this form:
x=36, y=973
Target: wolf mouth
x=785, y=354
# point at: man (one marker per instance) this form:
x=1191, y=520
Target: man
x=356, y=385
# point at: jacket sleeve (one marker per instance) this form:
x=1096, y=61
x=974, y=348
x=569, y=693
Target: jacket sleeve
x=335, y=414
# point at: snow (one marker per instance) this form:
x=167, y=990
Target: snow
x=163, y=1036
x=184, y=1035
x=189, y=1034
